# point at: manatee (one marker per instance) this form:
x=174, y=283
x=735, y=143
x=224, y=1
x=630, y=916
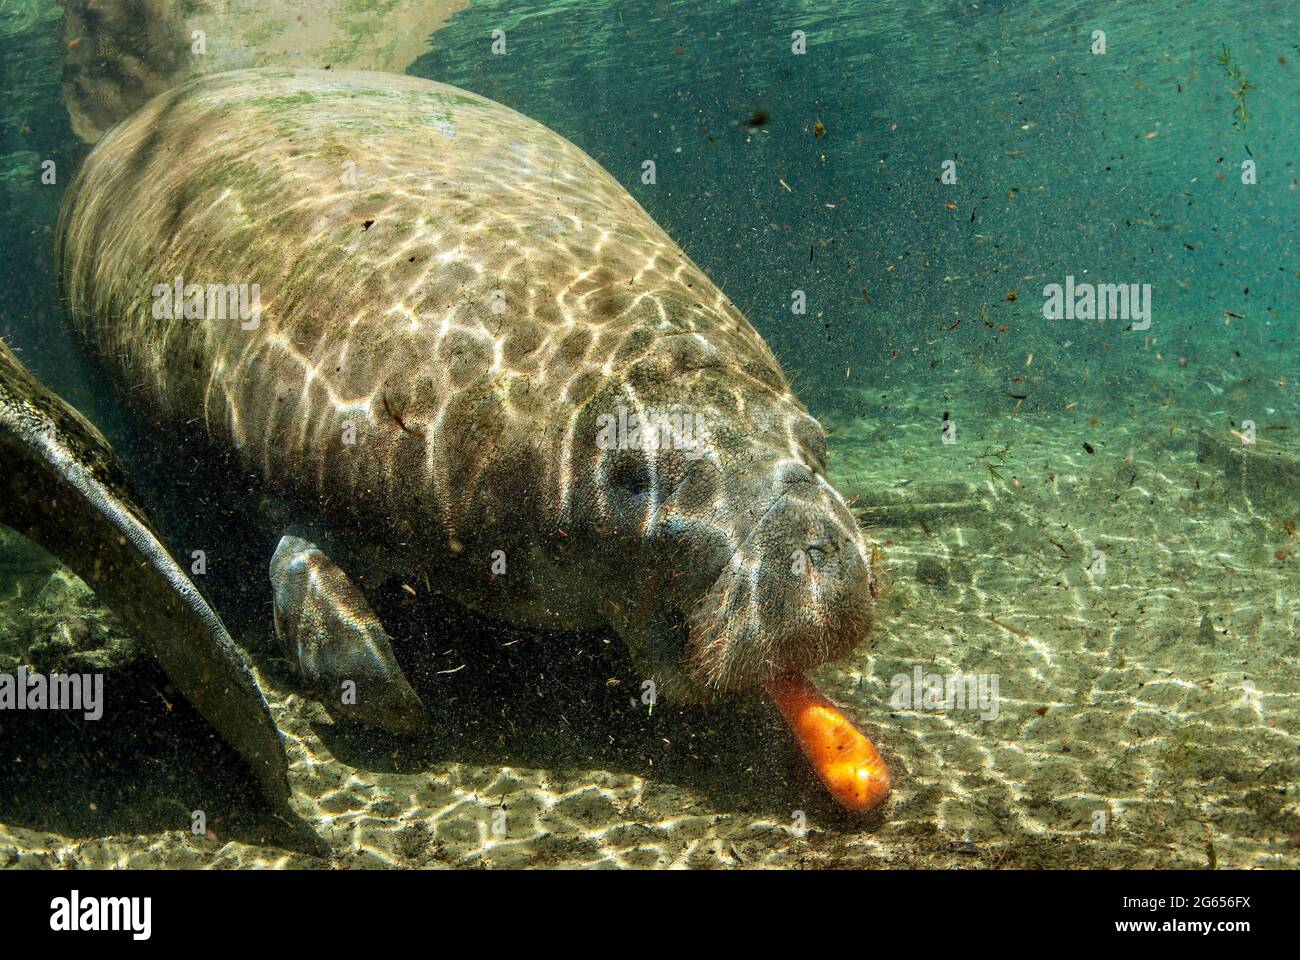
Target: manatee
x=63, y=487
x=465, y=356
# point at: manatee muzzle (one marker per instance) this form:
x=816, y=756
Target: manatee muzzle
x=798, y=591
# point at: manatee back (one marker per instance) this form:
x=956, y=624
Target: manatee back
x=443, y=284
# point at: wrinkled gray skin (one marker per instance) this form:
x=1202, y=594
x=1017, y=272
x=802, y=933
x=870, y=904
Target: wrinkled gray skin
x=63, y=488
x=471, y=300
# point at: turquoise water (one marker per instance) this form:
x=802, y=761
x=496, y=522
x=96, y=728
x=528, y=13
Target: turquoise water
x=1055, y=174
x=915, y=177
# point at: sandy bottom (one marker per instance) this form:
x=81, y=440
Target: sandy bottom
x=1148, y=712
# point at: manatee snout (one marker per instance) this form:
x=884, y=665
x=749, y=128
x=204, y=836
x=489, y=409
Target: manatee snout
x=798, y=591
x=743, y=563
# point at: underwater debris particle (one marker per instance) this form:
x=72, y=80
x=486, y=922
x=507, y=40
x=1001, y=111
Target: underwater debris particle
x=1010, y=629
x=1234, y=74
x=398, y=419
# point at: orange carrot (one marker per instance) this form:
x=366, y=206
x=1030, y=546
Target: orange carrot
x=844, y=759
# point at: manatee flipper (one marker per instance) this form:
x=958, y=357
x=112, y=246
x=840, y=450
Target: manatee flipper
x=62, y=486
x=329, y=632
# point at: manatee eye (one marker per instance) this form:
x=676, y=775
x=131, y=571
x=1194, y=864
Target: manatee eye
x=631, y=474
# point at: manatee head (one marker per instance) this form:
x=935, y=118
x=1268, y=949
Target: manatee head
x=728, y=557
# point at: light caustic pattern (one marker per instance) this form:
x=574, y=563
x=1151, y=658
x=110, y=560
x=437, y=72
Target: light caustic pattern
x=469, y=292
x=1126, y=735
